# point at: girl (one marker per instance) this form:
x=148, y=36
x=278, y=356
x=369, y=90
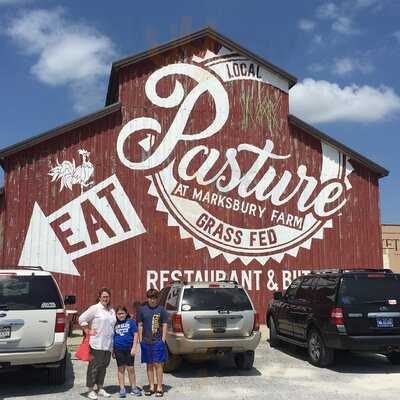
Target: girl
x=98, y=321
x=125, y=347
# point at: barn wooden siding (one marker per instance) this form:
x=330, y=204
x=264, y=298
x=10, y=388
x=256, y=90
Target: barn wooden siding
x=354, y=240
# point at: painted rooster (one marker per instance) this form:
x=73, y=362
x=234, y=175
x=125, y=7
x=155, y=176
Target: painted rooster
x=69, y=174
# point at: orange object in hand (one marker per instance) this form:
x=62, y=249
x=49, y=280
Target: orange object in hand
x=83, y=352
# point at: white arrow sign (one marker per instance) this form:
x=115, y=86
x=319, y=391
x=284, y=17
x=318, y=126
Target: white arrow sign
x=99, y=218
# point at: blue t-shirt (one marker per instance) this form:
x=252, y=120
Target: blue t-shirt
x=152, y=318
x=124, y=333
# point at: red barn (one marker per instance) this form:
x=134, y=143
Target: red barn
x=194, y=170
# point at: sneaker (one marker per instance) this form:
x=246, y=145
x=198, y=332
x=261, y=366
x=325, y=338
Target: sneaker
x=92, y=395
x=103, y=393
x=122, y=393
x=136, y=391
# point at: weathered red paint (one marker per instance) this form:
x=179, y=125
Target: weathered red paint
x=354, y=240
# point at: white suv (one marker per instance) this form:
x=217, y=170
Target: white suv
x=33, y=327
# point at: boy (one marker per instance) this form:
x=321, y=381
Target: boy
x=152, y=334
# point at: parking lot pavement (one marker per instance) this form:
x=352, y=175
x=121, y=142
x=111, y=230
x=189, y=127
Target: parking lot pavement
x=277, y=374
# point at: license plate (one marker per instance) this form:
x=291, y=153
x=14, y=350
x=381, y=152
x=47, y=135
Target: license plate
x=384, y=322
x=218, y=323
x=5, y=332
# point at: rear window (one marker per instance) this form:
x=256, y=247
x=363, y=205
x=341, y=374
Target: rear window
x=28, y=293
x=211, y=299
x=358, y=290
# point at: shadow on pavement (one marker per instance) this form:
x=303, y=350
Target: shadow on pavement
x=212, y=368
x=33, y=382
x=114, y=389
x=348, y=362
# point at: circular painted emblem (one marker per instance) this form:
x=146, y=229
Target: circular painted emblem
x=225, y=168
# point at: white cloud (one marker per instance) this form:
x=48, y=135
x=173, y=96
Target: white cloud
x=66, y=53
x=317, y=40
x=306, y=25
x=342, y=14
x=322, y=101
x=365, y=3
x=316, y=67
x=344, y=25
x=327, y=11
x=347, y=65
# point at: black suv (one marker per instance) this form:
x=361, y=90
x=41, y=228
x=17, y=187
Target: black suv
x=355, y=309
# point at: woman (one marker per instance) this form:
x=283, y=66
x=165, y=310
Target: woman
x=98, y=321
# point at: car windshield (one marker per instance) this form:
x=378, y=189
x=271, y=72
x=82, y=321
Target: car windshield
x=374, y=289
x=212, y=299
x=28, y=293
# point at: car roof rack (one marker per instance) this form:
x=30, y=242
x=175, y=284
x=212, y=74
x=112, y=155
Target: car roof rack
x=351, y=270
x=381, y=270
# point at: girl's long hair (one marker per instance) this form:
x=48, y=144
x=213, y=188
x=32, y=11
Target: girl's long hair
x=123, y=308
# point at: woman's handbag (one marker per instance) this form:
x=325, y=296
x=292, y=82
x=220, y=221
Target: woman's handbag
x=83, y=352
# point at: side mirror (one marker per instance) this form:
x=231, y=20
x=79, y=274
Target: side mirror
x=277, y=295
x=69, y=300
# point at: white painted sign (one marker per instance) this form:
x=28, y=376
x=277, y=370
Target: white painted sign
x=99, y=218
x=69, y=174
x=195, y=194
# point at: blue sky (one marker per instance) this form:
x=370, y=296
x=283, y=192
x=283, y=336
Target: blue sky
x=56, y=55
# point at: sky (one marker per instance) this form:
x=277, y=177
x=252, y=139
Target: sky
x=55, y=60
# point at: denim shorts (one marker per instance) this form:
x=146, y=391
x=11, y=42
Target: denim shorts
x=154, y=352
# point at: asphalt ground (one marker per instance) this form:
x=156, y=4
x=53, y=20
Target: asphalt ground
x=277, y=374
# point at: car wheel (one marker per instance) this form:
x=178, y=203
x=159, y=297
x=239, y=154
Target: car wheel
x=394, y=358
x=173, y=363
x=244, y=360
x=273, y=335
x=319, y=354
x=56, y=376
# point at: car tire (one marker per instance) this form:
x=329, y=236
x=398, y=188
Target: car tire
x=244, y=360
x=173, y=363
x=394, y=358
x=57, y=376
x=319, y=354
x=273, y=334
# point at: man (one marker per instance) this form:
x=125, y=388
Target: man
x=152, y=335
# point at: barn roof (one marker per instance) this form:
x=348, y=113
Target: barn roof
x=116, y=106
x=206, y=32
x=340, y=146
x=52, y=133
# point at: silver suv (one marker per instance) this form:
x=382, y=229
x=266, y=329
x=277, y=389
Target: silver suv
x=33, y=328
x=210, y=318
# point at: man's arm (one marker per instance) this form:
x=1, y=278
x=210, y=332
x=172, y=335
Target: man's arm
x=140, y=331
x=164, y=331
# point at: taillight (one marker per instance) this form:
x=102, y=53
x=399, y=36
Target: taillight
x=213, y=285
x=256, y=324
x=177, y=323
x=337, y=316
x=60, y=322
